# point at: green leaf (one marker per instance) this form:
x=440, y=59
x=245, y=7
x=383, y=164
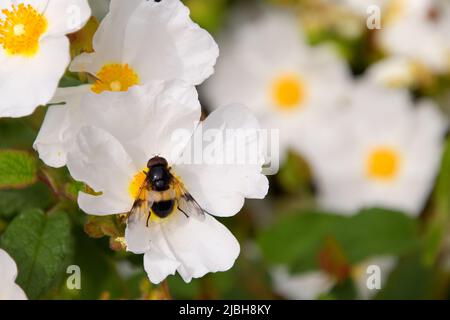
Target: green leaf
x=14, y=201
x=16, y=133
x=296, y=240
x=439, y=221
x=41, y=245
x=410, y=280
x=17, y=169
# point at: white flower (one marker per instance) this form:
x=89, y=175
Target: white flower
x=384, y=151
x=9, y=290
x=310, y=285
x=111, y=151
x=266, y=64
x=418, y=30
x=137, y=42
x=34, y=51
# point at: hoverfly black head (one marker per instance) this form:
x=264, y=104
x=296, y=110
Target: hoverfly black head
x=158, y=174
x=157, y=161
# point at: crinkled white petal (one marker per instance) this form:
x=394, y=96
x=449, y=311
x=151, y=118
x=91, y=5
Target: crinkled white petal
x=60, y=126
x=185, y=51
x=146, y=119
x=65, y=16
x=99, y=160
x=9, y=290
x=230, y=166
x=108, y=41
x=187, y=245
x=133, y=29
x=26, y=83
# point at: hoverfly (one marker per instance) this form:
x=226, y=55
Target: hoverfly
x=162, y=193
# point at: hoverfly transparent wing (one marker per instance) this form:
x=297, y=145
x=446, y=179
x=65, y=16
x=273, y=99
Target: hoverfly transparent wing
x=141, y=206
x=186, y=202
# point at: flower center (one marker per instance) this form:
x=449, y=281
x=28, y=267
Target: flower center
x=115, y=77
x=136, y=184
x=383, y=164
x=288, y=92
x=20, y=30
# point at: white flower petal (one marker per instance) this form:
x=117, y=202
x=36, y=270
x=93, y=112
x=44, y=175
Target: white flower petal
x=60, y=126
x=66, y=16
x=197, y=246
x=8, y=273
x=99, y=160
x=185, y=51
x=158, y=266
x=131, y=31
x=303, y=286
x=153, y=113
x=221, y=186
x=108, y=41
x=8, y=270
x=26, y=83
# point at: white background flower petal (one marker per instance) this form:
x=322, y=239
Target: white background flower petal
x=8, y=273
x=61, y=123
x=27, y=83
x=66, y=16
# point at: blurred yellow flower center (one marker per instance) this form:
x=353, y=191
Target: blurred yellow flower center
x=20, y=30
x=383, y=164
x=115, y=77
x=136, y=184
x=288, y=92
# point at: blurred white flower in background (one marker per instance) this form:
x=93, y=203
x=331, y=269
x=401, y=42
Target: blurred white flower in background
x=137, y=42
x=266, y=64
x=9, y=290
x=311, y=285
x=360, y=7
x=110, y=155
x=384, y=151
x=418, y=30
x=34, y=50
x=394, y=72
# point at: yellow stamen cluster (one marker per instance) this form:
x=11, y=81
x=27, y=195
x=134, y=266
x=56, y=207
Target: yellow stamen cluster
x=21, y=29
x=136, y=184
x=288, y=92
x=115, y=77
x=383, y=164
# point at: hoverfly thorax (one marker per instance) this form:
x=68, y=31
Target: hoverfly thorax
x=158, y=175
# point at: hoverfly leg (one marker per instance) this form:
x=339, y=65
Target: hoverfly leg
x=148, y=218
x=187, y=216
